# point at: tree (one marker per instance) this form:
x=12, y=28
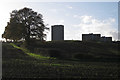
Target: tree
x=6, y=34
x=13, y=30
x=25, y=24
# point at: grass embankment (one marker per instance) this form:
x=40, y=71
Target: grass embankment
x=29, y=53
x=17, y=63
x=84, y=51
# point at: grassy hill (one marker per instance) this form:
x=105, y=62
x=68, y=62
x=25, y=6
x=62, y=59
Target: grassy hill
x=77, y=50
x=37, y=62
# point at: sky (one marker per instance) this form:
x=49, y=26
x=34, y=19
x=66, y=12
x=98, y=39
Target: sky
x=77, y=17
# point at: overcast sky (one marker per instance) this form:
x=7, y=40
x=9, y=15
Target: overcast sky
x=77, y=17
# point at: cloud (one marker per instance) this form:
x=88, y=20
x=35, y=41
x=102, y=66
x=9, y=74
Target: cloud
x=89, y=24
x=59, y=22
x=67, y=14
x=114, y=34
x=87, y=19
x=53, y=10
x=69, y=7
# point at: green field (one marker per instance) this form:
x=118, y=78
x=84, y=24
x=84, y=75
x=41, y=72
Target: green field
x=60, y=60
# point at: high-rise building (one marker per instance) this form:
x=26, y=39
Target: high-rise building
x=57, y=32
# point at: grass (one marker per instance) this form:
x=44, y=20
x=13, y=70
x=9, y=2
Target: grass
x=29, y=53
x=38, y=56
x=69, y=49
x=31, y=66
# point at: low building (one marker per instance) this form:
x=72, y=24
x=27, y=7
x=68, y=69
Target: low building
x=57, y=32
x=91, y=37
x=106, y=39
x=95, y=37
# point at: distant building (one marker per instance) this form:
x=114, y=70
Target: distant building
x=106, y=39
x=95, y=37
x=91, y=37
x=57, y=32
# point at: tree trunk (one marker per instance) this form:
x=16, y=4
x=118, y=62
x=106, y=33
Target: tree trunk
x=27, y=37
